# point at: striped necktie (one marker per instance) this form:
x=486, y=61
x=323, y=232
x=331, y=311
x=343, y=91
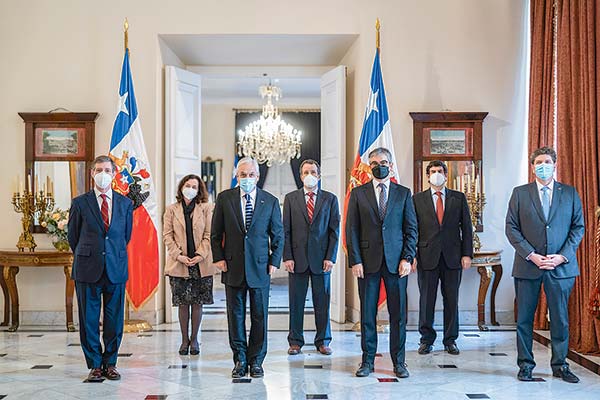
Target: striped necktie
x=104, y=211
x=248, y=210
x=310, y=205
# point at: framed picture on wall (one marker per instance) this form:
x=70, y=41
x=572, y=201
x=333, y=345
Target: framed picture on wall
x=448, y=142
x=65, y=142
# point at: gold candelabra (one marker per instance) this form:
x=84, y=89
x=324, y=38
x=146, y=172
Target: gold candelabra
x=31, y=205
x=476, y=202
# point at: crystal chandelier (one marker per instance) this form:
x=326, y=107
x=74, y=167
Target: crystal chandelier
x=269, y=139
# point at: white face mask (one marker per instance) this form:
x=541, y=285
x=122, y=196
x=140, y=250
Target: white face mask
x=310, y=181
x=437, y=179
x=103, y=180
x=189, y=193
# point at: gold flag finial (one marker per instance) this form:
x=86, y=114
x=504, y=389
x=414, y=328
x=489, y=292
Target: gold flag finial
x=377, y=26
x=125, y=29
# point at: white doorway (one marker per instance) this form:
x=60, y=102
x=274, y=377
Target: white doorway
x=299, y=63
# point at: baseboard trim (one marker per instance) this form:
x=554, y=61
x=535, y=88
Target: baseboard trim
x=572, y=355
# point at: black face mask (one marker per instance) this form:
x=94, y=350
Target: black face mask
x=381, y=171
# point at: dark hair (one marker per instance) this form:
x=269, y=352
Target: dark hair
x=542, y=151
x=103, y=159
x=381, y=150
x=201, y=197
x=311, y=162
x=436, y=163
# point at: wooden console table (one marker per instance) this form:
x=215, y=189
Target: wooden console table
x=487, y=262
x=12, y=260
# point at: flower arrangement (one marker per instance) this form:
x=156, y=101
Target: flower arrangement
x=56, y=223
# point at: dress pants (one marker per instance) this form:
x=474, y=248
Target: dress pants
x=321, y=296
x=557, y=296
x=368, y=290
x=254, y=349
x=90, y=298
x=428, y=286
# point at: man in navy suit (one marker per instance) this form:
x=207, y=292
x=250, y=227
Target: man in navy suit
x=311, y=220
x=381, y=236
x=544, y=224
x=247, y=245
x=444, y=249
x=99, y=229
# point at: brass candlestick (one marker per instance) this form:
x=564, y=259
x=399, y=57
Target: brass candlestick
x=30, y=205
x=476, y=201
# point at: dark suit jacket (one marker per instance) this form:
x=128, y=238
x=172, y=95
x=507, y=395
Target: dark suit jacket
x=96, y=250
x=309, y=244
x=370, y=240
x=527, y=229
x=248, y=254
x=453, y=239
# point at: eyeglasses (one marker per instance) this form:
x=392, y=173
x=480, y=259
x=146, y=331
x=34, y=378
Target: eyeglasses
x=383, y=163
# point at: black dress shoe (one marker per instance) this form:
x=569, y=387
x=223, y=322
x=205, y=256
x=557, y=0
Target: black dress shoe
x=256, y=371
x=365, y=369
x=565, y=374
x=400, y=371
x=452, y=349
x=195, y=348
x=184, y=349
x=425, y=348
x=525, y=374
x=240, y=370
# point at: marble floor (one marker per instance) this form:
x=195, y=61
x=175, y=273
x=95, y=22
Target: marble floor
x=38, y=363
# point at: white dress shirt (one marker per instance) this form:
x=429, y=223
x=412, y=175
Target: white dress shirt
x=435, y=197
x=378, y=190
x=550, y=191
x=315, y=191
x=243, y=202
x=109, y=196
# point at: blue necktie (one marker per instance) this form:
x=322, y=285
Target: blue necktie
x=382, y=201
x=546, y=201
x=248, y=210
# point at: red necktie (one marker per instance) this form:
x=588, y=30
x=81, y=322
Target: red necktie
x=439, y=208
x=104, y=211
x=310, y=205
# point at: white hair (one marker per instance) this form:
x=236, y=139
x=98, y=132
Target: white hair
x=248, y=160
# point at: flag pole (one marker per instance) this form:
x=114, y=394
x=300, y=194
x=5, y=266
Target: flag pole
x=131, y=325
x=382, y=326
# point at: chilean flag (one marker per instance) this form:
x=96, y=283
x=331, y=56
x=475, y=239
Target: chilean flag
x=376, y=132
x=134, y=180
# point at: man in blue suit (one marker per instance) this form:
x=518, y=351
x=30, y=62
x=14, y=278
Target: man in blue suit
x=99, y=229
x=381, y=236
x=544, y=224
x=311, y=220
x=247, y=245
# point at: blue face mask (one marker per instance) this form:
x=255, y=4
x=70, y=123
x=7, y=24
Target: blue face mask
x=544, y=171
x=247, y=184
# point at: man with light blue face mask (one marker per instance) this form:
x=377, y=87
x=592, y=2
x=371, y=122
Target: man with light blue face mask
x=247, y=245
x=545, y=225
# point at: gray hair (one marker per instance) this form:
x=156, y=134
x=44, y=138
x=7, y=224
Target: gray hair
x=103, y=159
x=248, y=160
x=381, y=150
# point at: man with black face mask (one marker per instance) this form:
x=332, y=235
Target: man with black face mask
x=381, y=235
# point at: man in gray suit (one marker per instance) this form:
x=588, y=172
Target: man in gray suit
x=544, y=224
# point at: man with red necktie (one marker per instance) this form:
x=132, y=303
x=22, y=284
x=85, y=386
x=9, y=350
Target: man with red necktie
x=311, y=220
x=100, y=224
x=444, y=249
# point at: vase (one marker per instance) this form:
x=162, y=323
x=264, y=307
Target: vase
x=61, y=245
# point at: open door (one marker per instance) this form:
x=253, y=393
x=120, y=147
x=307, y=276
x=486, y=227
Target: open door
x=182, y=141
x=333, y=169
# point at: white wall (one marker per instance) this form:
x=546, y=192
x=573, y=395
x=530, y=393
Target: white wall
x=464, y=55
